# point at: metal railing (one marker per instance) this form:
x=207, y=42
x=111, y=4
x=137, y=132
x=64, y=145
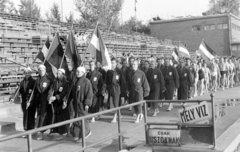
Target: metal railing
x=120, y=132
x=84, y=146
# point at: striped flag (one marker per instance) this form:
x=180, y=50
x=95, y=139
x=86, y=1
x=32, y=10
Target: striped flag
x=175, y=55
x=56, y=58
x=183, y=52
x=44, y=52
x=98, y=49
x=206, y=52
x=72, y=52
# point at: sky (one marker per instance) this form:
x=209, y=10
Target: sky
x=146, y=9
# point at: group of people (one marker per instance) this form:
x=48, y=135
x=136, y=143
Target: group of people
x=128, y=81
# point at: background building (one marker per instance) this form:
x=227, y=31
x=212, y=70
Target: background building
x=220, y=32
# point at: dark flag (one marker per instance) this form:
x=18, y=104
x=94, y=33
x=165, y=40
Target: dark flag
x=72, y=52
x=56, y=58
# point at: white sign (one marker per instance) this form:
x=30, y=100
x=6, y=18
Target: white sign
x=164, y=136
x=195, y=113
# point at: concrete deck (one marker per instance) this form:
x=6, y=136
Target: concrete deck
x=103, y=128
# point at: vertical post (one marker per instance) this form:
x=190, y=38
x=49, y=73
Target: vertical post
x=213, y=121
x=29, y=141
x=83, y=134
x=119, y=129
x=145, y=121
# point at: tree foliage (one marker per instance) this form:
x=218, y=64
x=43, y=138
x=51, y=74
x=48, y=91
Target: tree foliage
x=54, y=13
x=104, y=11
x=7, y=6
x=70, y=18
x=136, y=25
x=222, y=7
x=29, y=8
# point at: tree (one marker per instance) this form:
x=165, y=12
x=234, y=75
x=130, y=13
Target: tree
x=70, y=18
x=7, y=6
x=55, y=13
x=104, y=11
x=222, y=7
x=136, y=26
x=29, y=8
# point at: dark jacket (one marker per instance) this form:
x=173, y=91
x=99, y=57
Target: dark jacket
x=171, y=78
x=185, y=81
x=43, y=85
x=26, y=88
x=82, y=95
x=96, y=80
x=138, y=85
x=156, y=83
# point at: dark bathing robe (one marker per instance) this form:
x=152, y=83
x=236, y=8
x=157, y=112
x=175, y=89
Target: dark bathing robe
x=44, y=110
x=171, y=81
x=26, y=88
x=156, y=83
x=185, y=82
x=162, y=94
x=60, y=89
x=138, y=86
x=96, y=80
x=114, y=83
x=82, y=95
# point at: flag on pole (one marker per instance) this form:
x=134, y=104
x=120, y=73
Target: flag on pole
x=183, y=52
x=56, y=58
x=72, y=52
x=175, y=55
x=44, y=52
x=206, y=52
x=98, y=49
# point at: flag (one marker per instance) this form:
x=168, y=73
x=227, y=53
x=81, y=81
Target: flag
x=175, y=55
x=56, y=58
x=206, y=52
x=98, y=49
x=44, y=52
x=72, y=52
x=183, y=52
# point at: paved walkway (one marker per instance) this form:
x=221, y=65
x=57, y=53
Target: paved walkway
x=103, y=128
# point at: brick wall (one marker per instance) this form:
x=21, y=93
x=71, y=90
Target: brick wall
x=181, y=30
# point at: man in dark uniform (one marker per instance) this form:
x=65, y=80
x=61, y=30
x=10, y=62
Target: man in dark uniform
x=103, y=101
x=96, y=80
x=114, y=82
x=127, y=72
x=44, y=110
x=156, y=83
x=26, y=88
x=139, y=88
x=161, y=66
x=82, y=96
x=146, y=67
x=56, y=94
x=124, y=95
x=171, y=81
x=185, y=81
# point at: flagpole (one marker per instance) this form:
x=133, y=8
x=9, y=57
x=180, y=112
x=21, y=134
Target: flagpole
x=35, y=83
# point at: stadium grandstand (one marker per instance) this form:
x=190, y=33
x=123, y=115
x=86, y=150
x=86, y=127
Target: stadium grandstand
x=22, y=37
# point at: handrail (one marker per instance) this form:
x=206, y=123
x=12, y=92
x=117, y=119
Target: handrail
x=120, y=132
x=68, y=122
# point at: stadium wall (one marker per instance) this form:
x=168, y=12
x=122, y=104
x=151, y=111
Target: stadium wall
x=213, y=29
